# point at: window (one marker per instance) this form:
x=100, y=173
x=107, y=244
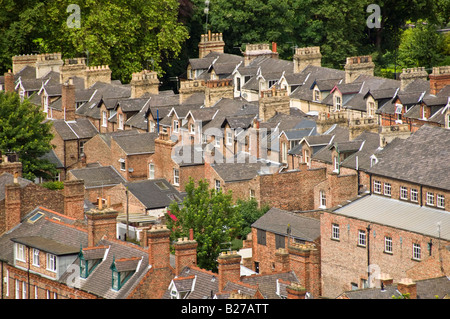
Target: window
x=338, y=103
x=151, y=171
x=17, y=289
x=252, y=194
x=175, y=126
x=414, y=195
x=51, y=262
x=36, y=257
x=388, y=245
x=416, y=251
x=104, y=119
x=373, y=161
x=176, y=177
x=322, y=199
x=229, y=138
x=280, y=241
x=336, y=164
x=81, y=146
x=216, y=141
x=362, y=238
x=261, y=237
x=440, y=201
x=387, y=189
x=24, y=290
x=152, y=126
x=87, y=266
x=377, y=187
x=430, y=199
x=192, y=128
x=122, y=164
x=284, y=152
x=316, y=94
x=120, y=121
x=20, y=252
x=371, y=109
x=335, y=231
x=217, y=184
x=403, y=192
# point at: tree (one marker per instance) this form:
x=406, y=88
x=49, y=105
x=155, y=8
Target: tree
x=212, y=217
x=23, y=131
x=421, y=46
x=250, y=213
x=126, y=35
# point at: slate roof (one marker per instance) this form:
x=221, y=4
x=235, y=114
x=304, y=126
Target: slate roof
x=426, y=289
x=267, y=283
x=52, y=158
x=422, y=158
x=134, y=144
x=154, y=193
x=95, y=177
x=236, y=171
x=81, y=128
x=276, y=221
x=340, y=134
x=7, y=178
x=370, y=146
x=205, y=286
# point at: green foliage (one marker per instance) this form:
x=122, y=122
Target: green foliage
x=422, y=46
x=212, y=217
x=126, y=35
x=249, y=213
x=402, y=296
x=53, y=185
x=23, y=130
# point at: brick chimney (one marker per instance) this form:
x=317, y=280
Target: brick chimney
x=282, y=260
x=295, y=291
x=218, y=89
x=74, y=199
x=185, y=254
x=158, y=242
x=210, y=42
x=439, y=78
x=21, y=61
x=100, y=223
x=144, y=82
x=305, y=262
x=73, y=68
x=253, y=51
x=229, y=268
x=407, y=286
x=410, y=75
x=358, y=65
x=306, y=56
x=47, y=62
x=9, y=81
x=12, y=204
x=10, y=167
x=68, y=100
x=99, y=73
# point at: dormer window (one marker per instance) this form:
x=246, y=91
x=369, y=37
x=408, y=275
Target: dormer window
x=338, y=103
x=316, y=94
x=88, y=263
x=122, y=270
x=371, y=109
x=175, y=126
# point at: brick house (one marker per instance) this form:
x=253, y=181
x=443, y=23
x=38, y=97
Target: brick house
x=375, y=235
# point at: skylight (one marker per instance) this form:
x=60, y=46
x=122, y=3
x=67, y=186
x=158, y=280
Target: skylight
x=35, y=217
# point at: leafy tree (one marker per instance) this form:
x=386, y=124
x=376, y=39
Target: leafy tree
x=23, y=131
x=250, y=213
x=212, y=217
x=421, y=46
x=126, y=35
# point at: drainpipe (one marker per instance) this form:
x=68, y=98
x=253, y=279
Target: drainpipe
x=368, y=255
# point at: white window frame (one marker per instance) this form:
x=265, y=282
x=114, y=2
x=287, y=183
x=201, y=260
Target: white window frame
x=229, y=138
x=430, y=199
x=104, y=119
x=335, y=232
x=403, y=192
x=17, y=289
x=377, y=187
x=122, y=164
x=416, y=251
x=192, y=128
x=316, y=94
x=440, y=201
x=36, y=257
x=176, y=126
x=338, y=103
x=322, y=199
x=217, y=185
x=20, y=252
x=388, y=244
x=151, y=171
x=216, y=141
x=51, y=262
x=414, y=195
x=362, y=238
x=120, y=120
x=252, y=194
x=176, y=177
x=284, y=152
x=371, y=109
x=387, y=189
x=152, y=126
x=24, y=290
x=336, y=164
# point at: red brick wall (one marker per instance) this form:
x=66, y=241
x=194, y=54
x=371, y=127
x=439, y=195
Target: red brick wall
x=96, y=150
x=344, y=262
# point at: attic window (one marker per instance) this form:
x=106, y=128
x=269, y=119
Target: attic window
x=161, y=185
x=398, y=109
x=119, y=278
x=35, y=217
x=87, y=265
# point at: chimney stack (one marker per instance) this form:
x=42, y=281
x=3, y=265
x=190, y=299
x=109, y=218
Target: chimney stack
x=68, y=100
x=307, y=56
x=158, y=242
x=12, y=206
x=144, y=82
x=282, y=260
x=229, y=268
x=409, y=75
x=211, y=42
x=74, y=199
x=295, y=291
x=358, y=65
x=101, y=223
x=407, y=286
x=185, y=254
x=439, y=78
x=9, y=81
